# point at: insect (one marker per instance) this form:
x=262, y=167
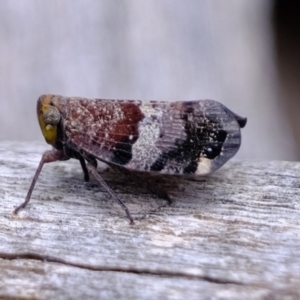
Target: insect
x=180, y=138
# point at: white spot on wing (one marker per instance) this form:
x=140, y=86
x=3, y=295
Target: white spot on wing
x=144, y=150
x=204, y=166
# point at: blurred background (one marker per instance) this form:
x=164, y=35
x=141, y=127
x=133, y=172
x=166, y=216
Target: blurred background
x=242, y=53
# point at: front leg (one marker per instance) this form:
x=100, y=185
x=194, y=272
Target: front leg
x=48, y=156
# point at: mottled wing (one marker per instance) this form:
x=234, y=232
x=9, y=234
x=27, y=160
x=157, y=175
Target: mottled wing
x=194, y=137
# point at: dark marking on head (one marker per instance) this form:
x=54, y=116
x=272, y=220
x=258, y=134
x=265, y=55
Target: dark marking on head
x=59, y=145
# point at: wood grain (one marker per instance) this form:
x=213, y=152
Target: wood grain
x=232, y=235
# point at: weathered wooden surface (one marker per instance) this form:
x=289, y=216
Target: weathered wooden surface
x=233, y=235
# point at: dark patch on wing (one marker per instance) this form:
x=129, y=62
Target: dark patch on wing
x=160, y=163
x=214, y=149
x=126, y=133
x=122, y=153
x=188, y=106
x=204, y=136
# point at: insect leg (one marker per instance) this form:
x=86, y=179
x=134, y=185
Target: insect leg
x=92, y=167
x=141, y=181
x=84, y=168
x=48, y=156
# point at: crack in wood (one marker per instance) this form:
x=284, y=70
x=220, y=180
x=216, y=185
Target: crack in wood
x=53, y=259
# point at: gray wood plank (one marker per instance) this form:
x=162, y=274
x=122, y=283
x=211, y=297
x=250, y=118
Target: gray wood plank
x=232, y=235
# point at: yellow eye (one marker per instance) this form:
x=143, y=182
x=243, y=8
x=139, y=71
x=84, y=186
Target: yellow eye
x=49, y=117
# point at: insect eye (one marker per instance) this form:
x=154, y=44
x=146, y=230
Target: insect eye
x=51, y=116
